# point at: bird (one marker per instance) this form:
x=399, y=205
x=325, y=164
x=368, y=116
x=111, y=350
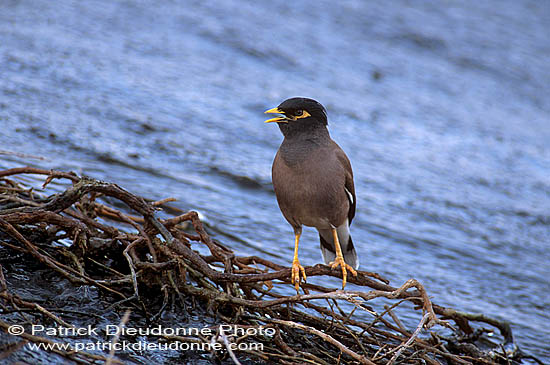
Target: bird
x=313, y=182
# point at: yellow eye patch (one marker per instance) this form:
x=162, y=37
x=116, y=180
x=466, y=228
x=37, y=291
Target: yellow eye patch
x=302, y=114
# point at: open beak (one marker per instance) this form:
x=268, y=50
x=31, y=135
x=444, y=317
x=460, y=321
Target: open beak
x=280, y=118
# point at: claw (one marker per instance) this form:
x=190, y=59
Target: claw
x=339, y=261
x=295, y=276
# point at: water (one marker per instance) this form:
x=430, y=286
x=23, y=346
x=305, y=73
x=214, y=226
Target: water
x=442, y=108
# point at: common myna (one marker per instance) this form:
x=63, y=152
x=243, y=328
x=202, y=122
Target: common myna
x=313, y=181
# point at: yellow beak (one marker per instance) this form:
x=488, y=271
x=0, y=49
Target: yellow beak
x=276, y=119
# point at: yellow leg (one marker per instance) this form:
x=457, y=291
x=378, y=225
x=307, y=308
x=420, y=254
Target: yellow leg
x=339, y=260
x=296, y=267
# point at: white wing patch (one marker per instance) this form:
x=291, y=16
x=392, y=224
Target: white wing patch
x=350, y=196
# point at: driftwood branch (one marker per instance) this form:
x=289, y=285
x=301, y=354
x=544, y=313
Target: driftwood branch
x=161, y=259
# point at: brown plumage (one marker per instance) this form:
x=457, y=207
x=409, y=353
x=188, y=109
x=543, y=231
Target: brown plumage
x=313, y=182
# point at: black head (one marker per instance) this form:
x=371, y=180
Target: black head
x=299, y=113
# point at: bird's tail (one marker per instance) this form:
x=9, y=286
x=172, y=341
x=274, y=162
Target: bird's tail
x=346, y=243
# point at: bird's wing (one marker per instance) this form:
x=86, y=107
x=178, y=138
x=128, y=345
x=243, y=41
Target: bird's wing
x=348, y=185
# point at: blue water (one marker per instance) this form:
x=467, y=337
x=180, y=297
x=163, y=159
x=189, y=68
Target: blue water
x=442, y=107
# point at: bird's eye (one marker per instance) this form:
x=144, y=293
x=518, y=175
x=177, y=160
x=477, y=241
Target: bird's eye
x=298, y=113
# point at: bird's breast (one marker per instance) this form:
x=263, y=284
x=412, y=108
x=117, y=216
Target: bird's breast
x=310, y=188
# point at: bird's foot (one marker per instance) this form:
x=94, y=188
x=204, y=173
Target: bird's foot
x=339, y=261
x=295, y=276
